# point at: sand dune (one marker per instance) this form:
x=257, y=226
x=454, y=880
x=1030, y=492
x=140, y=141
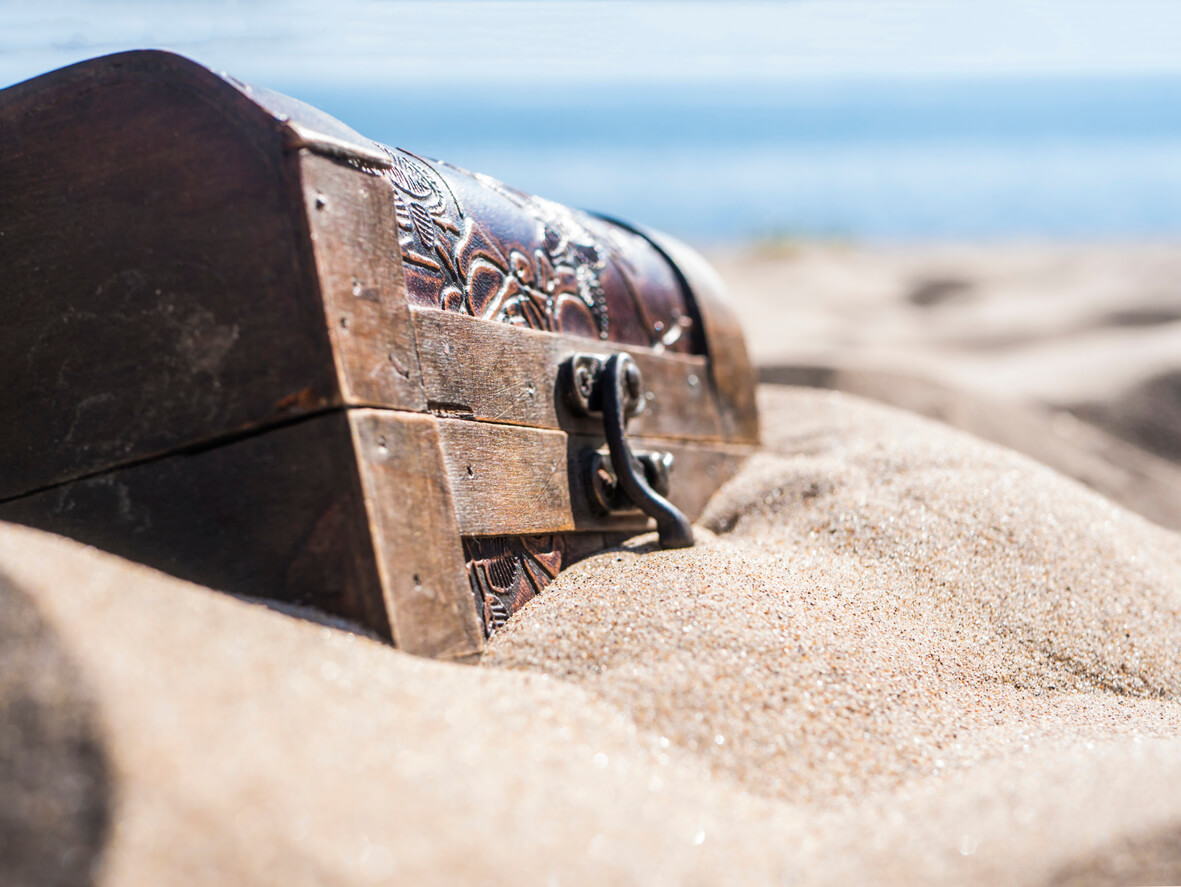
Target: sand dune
x=1041, y=323
x=1066, y=352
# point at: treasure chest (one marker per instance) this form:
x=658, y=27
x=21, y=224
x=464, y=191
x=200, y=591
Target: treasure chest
x=247, y=346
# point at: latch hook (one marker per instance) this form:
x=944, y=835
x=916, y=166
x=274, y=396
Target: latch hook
x=614, y=387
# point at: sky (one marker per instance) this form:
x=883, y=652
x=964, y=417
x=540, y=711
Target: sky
x=284, y=44
x=858, y=118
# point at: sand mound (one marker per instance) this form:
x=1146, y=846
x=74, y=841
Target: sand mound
x=904, y=656
x=240, y=746
x=894, y=601
x=1011, y=342
x=1116, y=466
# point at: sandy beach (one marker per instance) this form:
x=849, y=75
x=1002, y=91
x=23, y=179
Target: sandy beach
x=1065, y=352
x=931, y=634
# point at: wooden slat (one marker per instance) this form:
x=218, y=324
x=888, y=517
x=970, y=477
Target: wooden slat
x=354, y=236
x=415, y=534
x=278, y=516
x=512, y=480
x=500, y=373
x=507, y=479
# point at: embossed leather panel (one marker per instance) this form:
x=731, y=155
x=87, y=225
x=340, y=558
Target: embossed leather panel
x=476, y=246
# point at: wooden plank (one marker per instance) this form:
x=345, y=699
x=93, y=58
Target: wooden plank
x=500, y=373
x=512, y=480
x=507, y=479
x=276, y=516
x=353, y=233
x=420, y=556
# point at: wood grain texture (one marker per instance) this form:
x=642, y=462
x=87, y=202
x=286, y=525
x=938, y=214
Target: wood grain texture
x=499, y=373
x=353, y=233
x=277, y=516
x=153, y=294
x=415, y=534
x=512, y=480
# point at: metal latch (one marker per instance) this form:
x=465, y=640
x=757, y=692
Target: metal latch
x=611, y=386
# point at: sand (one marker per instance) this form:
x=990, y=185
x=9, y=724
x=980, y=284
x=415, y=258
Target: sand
x=1065, y=352
x=887, y=603
x=900, y=654
x=1042, y=323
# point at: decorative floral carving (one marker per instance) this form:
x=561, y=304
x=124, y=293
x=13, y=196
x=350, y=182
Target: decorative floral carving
x=473, y=245
x=507, y=572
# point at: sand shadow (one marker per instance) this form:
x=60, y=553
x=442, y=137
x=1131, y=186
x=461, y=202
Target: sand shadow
x=935, y=291
x=55, y=786
x=1153, y=858
x=1147, y=414
x=1144, y=316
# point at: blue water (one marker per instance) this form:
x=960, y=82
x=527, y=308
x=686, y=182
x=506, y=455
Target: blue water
x=952, y=159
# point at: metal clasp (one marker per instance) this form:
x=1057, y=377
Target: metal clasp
x=611, y=386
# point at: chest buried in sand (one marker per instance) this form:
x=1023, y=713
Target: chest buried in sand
x=254, y=349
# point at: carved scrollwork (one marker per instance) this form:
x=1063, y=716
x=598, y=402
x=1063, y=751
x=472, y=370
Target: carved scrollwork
x=476, y=246
x=507, y=572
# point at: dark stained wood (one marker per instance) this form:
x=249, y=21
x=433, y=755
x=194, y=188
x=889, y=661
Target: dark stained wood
x=498, y=373
x=278, y=515
x=153, y=295
x=353, y=232
x=415, y=534
x=507, y=479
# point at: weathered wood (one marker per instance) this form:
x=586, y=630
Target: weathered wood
x=353, y=231
x=498, y=373
x=507, y=479
x=153, y=292
x=415, y=534
x=307, y=127
x=278, y=515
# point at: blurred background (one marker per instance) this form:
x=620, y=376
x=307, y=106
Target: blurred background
x=849, y=119
x=971, y=209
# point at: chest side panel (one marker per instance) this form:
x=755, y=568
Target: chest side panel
x=154, y=292
x=278, y=516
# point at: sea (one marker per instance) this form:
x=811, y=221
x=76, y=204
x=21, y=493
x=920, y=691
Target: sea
x=853, y=159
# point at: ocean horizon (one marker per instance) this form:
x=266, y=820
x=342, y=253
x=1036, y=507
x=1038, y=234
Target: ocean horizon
x=884, y=159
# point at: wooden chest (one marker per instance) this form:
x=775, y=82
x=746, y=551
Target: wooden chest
x=252, y=348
